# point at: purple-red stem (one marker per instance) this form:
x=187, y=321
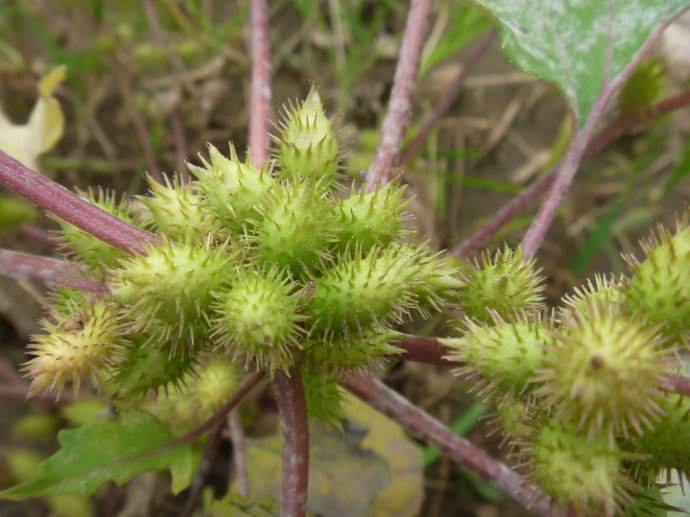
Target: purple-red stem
x=38, y=234
x=294, y=426
x=399, y=105
x=51, y=271
x=448, y=98
x=61, y=202
x=260, y=94
x=520, y=203
x=569, y=165
x=390, y=403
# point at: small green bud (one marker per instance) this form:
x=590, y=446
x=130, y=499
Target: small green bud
x=603, y=372
x=505, y=283
x=165, y=292
x=36, y=427
x=502, y=357
x=660, y=286
x=294, y=229
x=368, y=219
x=258, y=318
x=78, y=347
x=190, y=51
x=215, y=382
x=175, y=209
x=364, y=290
x=665, y=446
x=232, y=190
x=602, y=291
x=578, y=472
x=85, y=247
x=308, y=147
x=149, y=57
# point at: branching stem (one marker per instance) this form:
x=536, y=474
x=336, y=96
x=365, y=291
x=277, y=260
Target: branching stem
x=399, y=106
x=426, y=427
x=289, y=393
x=260, y=95
x=51, y=271
x=61, y=202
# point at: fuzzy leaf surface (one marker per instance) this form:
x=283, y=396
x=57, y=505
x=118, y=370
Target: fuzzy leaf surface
x=581, y=45
x=109, y=450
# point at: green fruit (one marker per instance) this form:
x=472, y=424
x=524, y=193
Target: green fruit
x=175, y=210
x=83, y=246
x=368, y=219
x=166, y=293
x=603, y=372
x=257, y=319
x=232, y=190
x=504, y=283
x=578, y=472
x=308, y=148
x=294, y=229
x=660, y=285
x=501, y=358
x=77, y=348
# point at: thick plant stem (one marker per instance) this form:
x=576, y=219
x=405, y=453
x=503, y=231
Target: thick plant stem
x=399, y=105
x=426, y=350
x=294, y=426
x=571, y=162
x=51, y=271
x=426, y=427
x=61, y=202
x=260, y=95
x=520, y=203
x=448, y=98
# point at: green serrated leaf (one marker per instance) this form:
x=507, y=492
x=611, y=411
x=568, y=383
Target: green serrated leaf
x=567, y=41
x=110, y=450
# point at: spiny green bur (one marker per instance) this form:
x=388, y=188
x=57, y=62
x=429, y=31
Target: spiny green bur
x=175, y=210
x=232, y=190
x=603, y=372
x=77, y=347
x=371, y=219
x=660, y=285
x=579, y=473
x=506, y=355
x=294, y=229
x=258, y=318
x=308, y=147
x=166, y=293
x=86, y=248
x=504, y=283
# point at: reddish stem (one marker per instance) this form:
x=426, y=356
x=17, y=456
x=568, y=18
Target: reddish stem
x=449, y=97
x=57, y=199
x=260, y=95
x=426, y=427
x=399, y=105
x=676, y=384
x=48, y=270
x=292, y=405
x=426, y=350
x=571, y=162
x=607, y=135
x=39, y=234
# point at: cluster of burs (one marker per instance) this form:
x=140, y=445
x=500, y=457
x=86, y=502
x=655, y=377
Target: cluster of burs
x=277, y=268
